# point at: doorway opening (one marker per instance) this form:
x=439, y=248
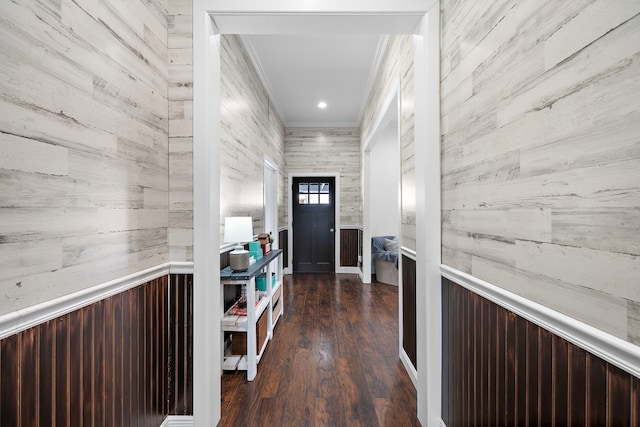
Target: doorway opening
x=381, y=182
x=314, y=227
x=212, y=18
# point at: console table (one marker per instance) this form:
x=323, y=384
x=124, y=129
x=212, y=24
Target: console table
x=265, y=303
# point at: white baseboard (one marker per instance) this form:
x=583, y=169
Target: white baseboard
x=178, y=421
x=348, y=270
x=408, y=366
x=23, y=319
x=612, y=349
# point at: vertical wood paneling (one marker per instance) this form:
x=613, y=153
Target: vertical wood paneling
x=349, y=247
x=180, y=338
x=104, y=364
x=527, y=375
x=59, y=329
x=29, y=381
x=46, y=410
x=283, y=241
x=9, y=380
x=88, y=371
x=409, y=343
x=577, y=386
x=76, y=376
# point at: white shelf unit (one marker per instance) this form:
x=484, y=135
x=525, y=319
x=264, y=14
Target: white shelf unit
x=270, y=302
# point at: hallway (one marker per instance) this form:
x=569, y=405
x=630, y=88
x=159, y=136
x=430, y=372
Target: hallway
x=333, y=362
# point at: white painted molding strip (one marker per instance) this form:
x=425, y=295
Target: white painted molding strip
x=178, y=421
x=408, y=366
x=612, y=349
x=23, y=319
x=181, y=267
x=409, y=253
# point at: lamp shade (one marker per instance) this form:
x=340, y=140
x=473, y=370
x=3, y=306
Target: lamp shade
x=238, y=229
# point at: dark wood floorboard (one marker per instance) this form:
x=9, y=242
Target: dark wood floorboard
x=333, y=361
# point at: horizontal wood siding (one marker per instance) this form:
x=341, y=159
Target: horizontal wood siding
x=104, y=364
x=409, y=343
x=500, y=369
x=349, y=247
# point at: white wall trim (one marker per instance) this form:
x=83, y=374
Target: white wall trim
x=348, y=270
x=612, y=349
x=408, y=366
x=409, y=253
x=428, y=193
x=178, y=421
x=25, y=318
x=350, y=227
x=181, y=267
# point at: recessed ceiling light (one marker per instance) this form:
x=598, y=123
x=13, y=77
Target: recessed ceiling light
x=322, y=105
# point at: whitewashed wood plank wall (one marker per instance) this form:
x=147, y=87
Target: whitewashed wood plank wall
x=329, y=150
x=397, y=66
x=83, y=145
x=541, y=153
x=180, y=95
x=250, y=130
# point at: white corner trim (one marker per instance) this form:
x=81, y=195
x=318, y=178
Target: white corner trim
x=612, y=349
x=178, y=421
x=350, y=227
x=181, y=267
x=23, y=319
x=442, y=423
x=409, y=253
x=408, y=366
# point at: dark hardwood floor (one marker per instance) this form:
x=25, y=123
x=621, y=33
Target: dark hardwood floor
x=333, y=361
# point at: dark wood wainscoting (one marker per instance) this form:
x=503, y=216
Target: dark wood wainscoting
x=349, y=247
x=409, y=343
x=500, y=369
x=283, y=242
x=360, y=239
x=180, y=351
x=125, y=360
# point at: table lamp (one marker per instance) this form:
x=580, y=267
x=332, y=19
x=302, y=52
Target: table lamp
x=238, y=229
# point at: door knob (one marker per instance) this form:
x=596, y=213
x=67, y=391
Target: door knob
x=331, y=230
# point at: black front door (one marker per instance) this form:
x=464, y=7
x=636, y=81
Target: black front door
x=313, y=225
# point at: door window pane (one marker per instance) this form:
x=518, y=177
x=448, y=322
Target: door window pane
x=303, y=188
x=324, y=199
x=324, y=188
x=303, y=199
x=313, y=199
x=314, y=187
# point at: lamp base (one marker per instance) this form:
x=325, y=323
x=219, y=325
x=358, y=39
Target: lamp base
x=239, y=260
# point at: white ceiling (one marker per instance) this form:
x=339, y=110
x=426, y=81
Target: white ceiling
x=299, y=71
